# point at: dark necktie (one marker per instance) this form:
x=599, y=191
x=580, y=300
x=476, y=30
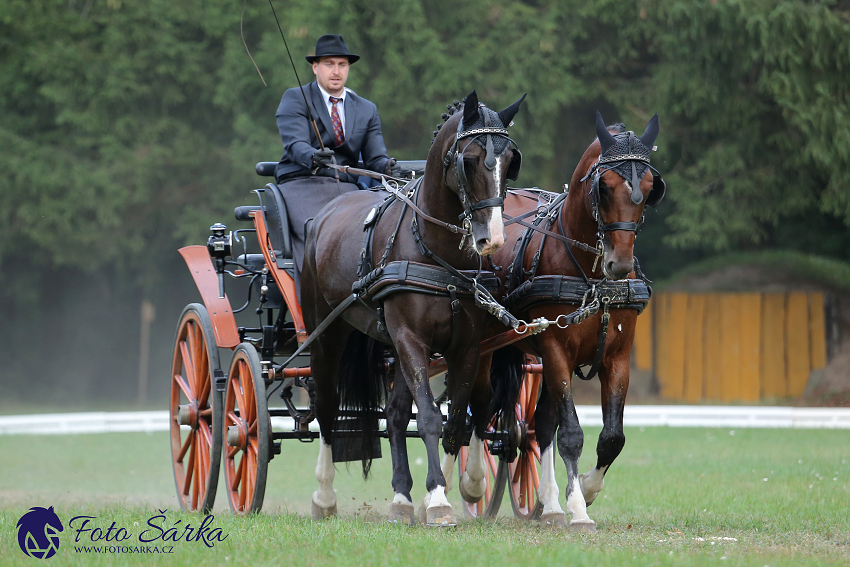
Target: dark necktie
x=339, y=134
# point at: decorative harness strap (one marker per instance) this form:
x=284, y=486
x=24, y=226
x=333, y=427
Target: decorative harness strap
x=589, y=295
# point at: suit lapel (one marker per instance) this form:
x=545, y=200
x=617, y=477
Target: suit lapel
x=350, y=114
x=321, y=109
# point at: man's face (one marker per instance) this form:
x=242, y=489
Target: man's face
x=331, y=73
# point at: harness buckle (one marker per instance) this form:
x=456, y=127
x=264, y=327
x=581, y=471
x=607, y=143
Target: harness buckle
x=600, y=250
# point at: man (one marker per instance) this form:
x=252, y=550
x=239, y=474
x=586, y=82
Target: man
x=350, y=129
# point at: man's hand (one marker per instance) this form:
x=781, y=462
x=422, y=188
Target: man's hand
x=322, y=158
x=393, y=168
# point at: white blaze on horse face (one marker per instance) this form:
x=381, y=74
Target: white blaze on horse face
x=325, y=496
x=448, y=467
x=548, y=490
x=496, y=225
x=473, y=481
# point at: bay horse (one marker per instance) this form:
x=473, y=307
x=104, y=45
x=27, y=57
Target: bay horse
x=417, y=302
x=597, y=221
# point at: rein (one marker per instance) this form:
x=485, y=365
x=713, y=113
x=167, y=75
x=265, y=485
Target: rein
x=400, y=196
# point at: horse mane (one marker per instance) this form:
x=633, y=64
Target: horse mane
x=452, y=108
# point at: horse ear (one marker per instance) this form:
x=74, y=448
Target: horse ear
x=470, y=109
x=508, y=114
x=648, y=138
x=605, y=137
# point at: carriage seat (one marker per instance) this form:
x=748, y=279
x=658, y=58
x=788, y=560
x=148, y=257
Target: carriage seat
x=277, y=224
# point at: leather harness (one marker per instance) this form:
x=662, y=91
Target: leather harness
x=589, y=294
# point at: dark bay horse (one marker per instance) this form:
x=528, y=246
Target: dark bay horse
x=601, y=213
x=465, y=177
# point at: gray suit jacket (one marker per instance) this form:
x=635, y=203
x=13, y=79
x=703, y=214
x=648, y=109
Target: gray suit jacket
x=363, y=135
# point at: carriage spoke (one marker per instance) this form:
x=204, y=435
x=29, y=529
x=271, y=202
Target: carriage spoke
x=237, y=476
x=186, y=445
x=190, y=368
x=205, y=382
x=232, y=452
x=244, y=480
x=205, y=413
x=517, y=470
x=532, y=401
x=535, y=477
x=183, y=386
x=247, y=391
x=252, y=429
x=195, y=486
x=187, y=480
x=535, y=448
x=237, y=393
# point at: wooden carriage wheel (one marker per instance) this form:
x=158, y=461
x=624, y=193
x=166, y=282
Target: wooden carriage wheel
x=496, y=478
x=247, y=428
x=196, y=411
x=524, y=472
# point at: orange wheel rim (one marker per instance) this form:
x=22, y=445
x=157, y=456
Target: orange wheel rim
x=241, y=461
x=190, y=388
x=524, y=471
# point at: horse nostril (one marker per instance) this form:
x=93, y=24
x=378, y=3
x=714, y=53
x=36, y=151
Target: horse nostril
x=481, y=243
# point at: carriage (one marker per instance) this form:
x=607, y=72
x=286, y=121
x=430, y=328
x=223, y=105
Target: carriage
x=219, y=415
x=223, y=411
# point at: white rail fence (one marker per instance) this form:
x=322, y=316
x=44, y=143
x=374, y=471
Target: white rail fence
x=635, y=416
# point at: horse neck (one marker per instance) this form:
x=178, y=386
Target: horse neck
x=579, y=225
x=436, y=199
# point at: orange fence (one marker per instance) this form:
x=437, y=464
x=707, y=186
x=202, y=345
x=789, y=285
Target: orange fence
x=731, y=346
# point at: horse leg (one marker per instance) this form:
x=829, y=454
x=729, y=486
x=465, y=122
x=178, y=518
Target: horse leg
x=473, y=483
x=544, y=424
x=614, y=379
x=413, y=357
x=398, y=416
x=557, y=374
x=324, y=360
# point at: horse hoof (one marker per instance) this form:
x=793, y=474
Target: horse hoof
x=554, y=519
x=583, y=526
x=401, y=513
x=467, y=496
x=320, y=513
x=440, y=516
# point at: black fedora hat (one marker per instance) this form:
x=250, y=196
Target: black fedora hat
x=331, y=46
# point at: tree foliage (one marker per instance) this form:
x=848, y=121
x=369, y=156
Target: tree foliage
x=129, y=127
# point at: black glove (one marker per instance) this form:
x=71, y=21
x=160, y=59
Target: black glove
x=393, y=168
x=322, y=158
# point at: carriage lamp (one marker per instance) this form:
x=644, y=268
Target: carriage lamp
x=219, y=242
x=218, y=246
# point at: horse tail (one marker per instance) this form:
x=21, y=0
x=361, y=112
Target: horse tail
x=505, y=379
x=363, y=388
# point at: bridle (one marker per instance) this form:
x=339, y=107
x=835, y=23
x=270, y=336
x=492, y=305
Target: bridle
x=625, y=157
x=455, y=154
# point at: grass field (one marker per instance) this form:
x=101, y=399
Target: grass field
x=674, y=497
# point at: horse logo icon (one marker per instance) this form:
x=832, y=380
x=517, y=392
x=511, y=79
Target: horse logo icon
x=38, y=532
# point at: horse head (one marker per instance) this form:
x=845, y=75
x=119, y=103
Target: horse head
x=477, y=159
x=618, y=183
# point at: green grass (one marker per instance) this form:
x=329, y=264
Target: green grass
x=668, y=488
